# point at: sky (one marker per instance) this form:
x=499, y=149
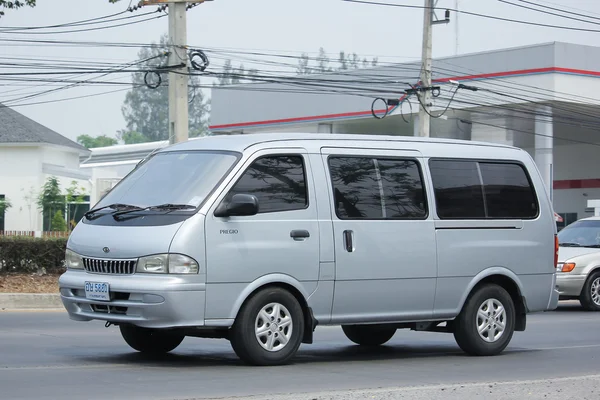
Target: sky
x=266, y=26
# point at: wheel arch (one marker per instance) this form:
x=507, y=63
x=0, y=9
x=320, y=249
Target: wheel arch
x=284, y=282
x=508, y=280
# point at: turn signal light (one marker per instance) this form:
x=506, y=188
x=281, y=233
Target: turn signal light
x=568, y=267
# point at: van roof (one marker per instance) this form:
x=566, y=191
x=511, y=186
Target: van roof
x=240, y=142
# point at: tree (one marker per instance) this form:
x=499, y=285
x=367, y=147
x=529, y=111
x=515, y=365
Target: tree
x=5, y=204
x=75, y=198
x=344, y=62
x=13, y=5
x=146, y=110
x=58, y=222
x=233, y=76
x=98, y=141
x=131, y=137
x=16, y=4
x=50, y=200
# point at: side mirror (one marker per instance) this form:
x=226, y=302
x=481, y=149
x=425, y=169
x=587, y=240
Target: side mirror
x=241, y=205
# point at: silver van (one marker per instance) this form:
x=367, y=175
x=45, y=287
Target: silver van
x=259, y=238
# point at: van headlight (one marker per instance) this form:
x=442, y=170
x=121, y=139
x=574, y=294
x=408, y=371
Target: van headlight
x=167, y=264
x=73, y=260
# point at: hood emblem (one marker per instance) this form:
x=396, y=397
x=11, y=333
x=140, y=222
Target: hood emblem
x=106, y=250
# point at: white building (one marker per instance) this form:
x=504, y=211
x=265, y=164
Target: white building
x=29, y=154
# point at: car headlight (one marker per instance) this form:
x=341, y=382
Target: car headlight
x=167, y=264
x=73, y=260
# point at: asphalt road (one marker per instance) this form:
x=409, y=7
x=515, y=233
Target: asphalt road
x=44, y=355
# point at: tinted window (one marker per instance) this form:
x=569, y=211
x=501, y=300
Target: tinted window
x=368, y=188
x=404, y=196
x=278, y=182
x=457, y=186
x=356, y=188
x=508, y=193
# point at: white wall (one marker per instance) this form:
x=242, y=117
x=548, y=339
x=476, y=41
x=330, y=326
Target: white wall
x=577, y=161
x=23, y=172
x=20, y=169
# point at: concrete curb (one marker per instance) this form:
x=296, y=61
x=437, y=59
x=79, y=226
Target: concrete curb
x=27, y=301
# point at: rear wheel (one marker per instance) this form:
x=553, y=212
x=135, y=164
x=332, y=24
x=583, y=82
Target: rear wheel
x=269, y=328
x=486, y=323
x=151, y=341
x=590, y=294
x=369, y=335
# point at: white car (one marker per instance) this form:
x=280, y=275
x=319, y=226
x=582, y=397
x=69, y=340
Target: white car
x=578, y=268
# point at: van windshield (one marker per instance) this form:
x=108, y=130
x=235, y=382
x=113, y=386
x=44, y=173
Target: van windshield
x=178, y=177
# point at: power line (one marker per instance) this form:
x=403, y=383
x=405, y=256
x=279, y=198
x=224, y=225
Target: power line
x=376, y=3
x=546, y=12
x=560, y=9
x=89, y=29
x=91, y=21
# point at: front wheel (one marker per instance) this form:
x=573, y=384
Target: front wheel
x=269, y=328
x=150, y=341
x=368, y=335
x=486, y=323
x=590, y=295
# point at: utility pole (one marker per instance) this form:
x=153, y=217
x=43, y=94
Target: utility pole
x=178, y=77
x=425, y=92
x=178, y=68
x=456, y=32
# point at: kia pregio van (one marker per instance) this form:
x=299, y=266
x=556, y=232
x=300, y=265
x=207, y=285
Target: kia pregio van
x=260, y=238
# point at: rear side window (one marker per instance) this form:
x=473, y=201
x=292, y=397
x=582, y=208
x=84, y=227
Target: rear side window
x=377, y=188
x=508, y=193
x=482, y=190
x=279, y=183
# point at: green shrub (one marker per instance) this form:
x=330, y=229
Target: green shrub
x=22, y=254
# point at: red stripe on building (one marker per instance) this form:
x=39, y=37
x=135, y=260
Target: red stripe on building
x=577, y=184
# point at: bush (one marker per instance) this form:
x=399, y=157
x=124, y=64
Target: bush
x=22, y=254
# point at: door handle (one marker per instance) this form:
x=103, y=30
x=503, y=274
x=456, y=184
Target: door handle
x=349, y=241
x=299, y=234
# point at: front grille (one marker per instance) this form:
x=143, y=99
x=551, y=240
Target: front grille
x=116, y=267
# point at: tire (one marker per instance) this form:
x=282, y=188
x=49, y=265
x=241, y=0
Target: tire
x=369, y=335
x=150, y=341
x=466, y=325
x=256, y=333
x=590, y=294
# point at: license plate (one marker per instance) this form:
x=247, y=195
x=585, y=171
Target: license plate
x=97, y=291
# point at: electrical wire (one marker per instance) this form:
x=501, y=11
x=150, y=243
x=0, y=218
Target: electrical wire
x=92, y=21
x=546, y=12
x=560, y=9
x=376, y=3
x=90, y=29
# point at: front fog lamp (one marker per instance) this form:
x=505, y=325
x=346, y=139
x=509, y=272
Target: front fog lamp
x=73, y=260
x=167, y=264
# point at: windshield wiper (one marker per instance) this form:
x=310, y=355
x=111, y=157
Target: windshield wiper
x=90, y=214
x=567, y=244
x=160, y=207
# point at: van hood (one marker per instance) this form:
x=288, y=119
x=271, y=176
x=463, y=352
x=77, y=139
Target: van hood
x=121, y=242
x=567, y=253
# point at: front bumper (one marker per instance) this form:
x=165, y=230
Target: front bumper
x=164, y=301
x=569, y=285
